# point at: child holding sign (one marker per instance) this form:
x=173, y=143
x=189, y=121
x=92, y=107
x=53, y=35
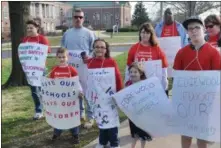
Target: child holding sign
x=63, y=70
x=137, y=74
x=102, y=60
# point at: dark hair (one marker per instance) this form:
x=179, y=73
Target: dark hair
x=139, y=68
x=32, y=22
x=61, y=50
x=149, y=28
x=213, y=19
x=107, y=54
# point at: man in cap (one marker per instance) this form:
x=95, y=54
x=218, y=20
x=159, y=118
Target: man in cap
x=197, y=56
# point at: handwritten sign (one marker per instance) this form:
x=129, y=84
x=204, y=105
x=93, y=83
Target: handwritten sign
x=101, y=84
x=153, y=68
x=147, y=105
x=196, y=100
x=32, y=57
x=170, y=46
x=61, y=102
x=76, y=61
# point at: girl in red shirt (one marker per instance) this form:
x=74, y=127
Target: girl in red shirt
x=146, y=50
x=33, y=36
x=63, y=70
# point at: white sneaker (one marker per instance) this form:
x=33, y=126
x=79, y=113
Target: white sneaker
x=89, y=124
x=99, y=146
x=38, y=116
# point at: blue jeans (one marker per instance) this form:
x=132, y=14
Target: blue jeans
x=35, y=90
x=110, y=135
x=74, y=131
x=88, y=110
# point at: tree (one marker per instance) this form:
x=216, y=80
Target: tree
x=140, y=15
x=19, y=14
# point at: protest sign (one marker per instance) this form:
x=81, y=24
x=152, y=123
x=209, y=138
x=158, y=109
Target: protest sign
x=170, y=46
x=147, y=106
x=101, y=84
x=74, y=59
x=32, y=57
x=196, y=100
x=61, y=102
x=153, y=68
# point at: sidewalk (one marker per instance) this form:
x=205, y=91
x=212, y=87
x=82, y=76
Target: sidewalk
x=165, y=142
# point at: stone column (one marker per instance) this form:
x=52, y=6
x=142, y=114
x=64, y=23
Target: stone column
x=40, y=10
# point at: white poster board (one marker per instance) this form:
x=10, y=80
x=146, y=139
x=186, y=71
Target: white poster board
x=196, y=100
x=74, y=59
x=153, y=68
x=170, y=45
x=102, y=80
x=33, y=57
x=61, y=102
x=147, y=106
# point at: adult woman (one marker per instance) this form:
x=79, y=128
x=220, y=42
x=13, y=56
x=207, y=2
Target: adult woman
x=147, y=49
x=35, y=37
x=213, y=27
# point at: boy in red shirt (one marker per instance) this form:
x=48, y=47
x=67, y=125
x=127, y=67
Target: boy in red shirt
x=63, y=70
x=199, y=55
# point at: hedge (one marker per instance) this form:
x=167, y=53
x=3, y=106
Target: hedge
x=124, y=30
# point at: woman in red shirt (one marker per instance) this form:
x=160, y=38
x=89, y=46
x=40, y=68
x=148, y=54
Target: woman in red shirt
x=147, y=49
x=34, y=36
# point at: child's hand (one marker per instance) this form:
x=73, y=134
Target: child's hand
x=81, y=95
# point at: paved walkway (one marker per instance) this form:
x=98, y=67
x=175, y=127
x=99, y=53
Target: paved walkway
x=165, y=142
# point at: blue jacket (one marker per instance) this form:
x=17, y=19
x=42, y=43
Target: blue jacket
x=181, y=30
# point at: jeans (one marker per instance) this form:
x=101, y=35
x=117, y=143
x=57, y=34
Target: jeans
x=35, y=90
x=74, y=131
x=110, y=135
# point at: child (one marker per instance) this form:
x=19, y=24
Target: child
x=63, y=70
x=136, y=74
x=102, y=59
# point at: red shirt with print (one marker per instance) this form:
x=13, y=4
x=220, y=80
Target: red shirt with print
x=213, y=40
x=139, y=52
x=169, y=30
x=63, y=72
x=105, y=63
x=209, y=58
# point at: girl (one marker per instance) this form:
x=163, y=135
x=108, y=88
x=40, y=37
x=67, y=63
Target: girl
x=146, y=50
x=63, y=70
x=136, y=74
x=34, y=36
x=102, y=59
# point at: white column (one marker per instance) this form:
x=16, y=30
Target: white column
x=34, y=10
x=40, y=10
x=53, y=12
x=45, y=11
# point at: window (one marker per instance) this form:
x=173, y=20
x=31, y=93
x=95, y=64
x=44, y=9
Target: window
x=5, y=12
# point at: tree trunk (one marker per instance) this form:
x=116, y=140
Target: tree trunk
x=19, y=14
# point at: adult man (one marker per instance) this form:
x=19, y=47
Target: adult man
x=168, y=27
x=79, y=39
x=199, y=55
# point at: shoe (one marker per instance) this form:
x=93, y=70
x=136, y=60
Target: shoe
x=55, y=137
x=89, y=124
x=99, y=146
x=38, y=116
x=76, y=139
x=115, y=147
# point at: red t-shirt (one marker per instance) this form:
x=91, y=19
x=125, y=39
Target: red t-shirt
x=139, y=52
x=208, y=56
x=213, y=40
x=107, y=62
x=63, y=72
x=169, y=30
x=128, y=83
x=37, y=39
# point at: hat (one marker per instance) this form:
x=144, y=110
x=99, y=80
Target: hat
x=192, y=19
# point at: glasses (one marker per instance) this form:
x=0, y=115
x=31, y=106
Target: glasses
x=209, y=26
x=97, y=47
x=193, y=28
x=80, y=17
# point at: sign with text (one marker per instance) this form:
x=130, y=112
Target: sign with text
x=196, y=100
x=33, y=57
x=101, y=85
x=153, y=68
x=170, y=45
x=61, y=102
x=147, y=105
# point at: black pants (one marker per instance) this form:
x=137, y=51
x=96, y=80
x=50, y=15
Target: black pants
x=167, y=92
x=110, y=135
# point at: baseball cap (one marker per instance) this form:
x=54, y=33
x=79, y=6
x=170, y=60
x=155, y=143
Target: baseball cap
x=191, y=20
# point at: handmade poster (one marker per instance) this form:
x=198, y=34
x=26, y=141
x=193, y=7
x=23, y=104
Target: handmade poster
x=147, y=106
x=196, y=100
x=74, y=59
x=33, y=57
x=170, y=45
x=153, y=68
x=101, y=85
x=61, y=102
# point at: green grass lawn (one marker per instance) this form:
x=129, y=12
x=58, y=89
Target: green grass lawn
x=18, y=128
x=123, y=34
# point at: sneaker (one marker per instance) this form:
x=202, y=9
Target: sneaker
x=55, y=137
x=76, y=139
x=99, y=146
x=89, y=124
x=38, y=116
